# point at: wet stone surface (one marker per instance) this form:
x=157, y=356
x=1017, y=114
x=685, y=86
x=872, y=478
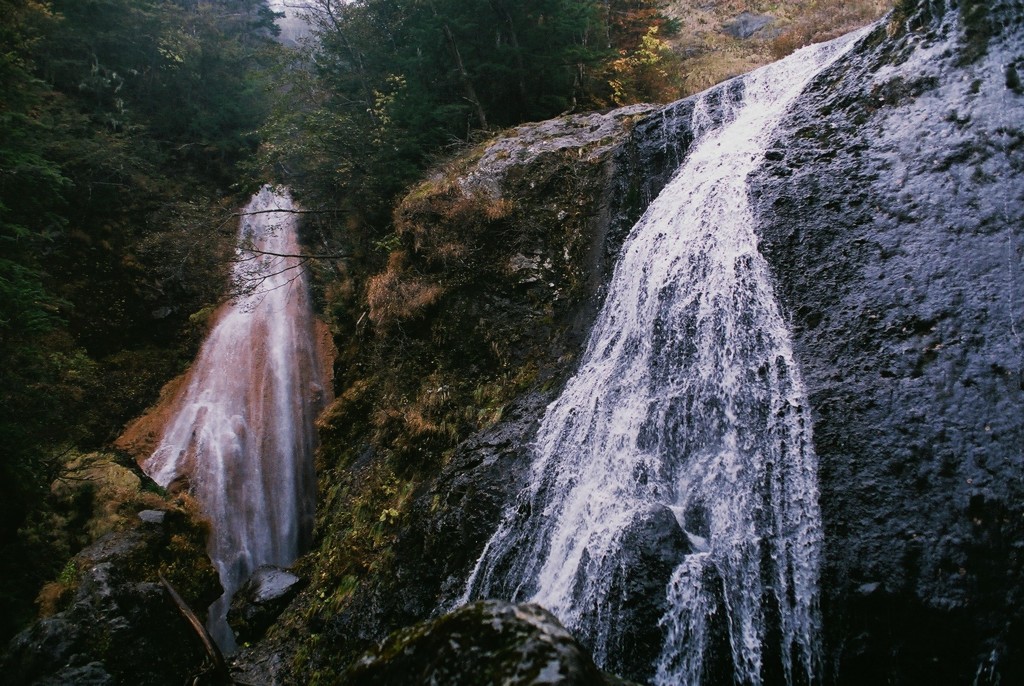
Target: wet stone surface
x=261, y=599
x=488, y=642
x=891, y=211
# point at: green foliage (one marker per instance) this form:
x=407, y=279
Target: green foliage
x=119, y=122
x=396, y=84
x=68, y=574
x=651, y=72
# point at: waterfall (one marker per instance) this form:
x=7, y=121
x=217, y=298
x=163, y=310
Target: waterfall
x=687, y=399
x=241, y=433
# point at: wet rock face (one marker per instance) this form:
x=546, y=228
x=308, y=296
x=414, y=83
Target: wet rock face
x=652, y=547
x=487, y=642
x=260, y=600
x=117, y=628
x=891, y=207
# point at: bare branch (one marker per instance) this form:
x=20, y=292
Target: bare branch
x=302, y=256
x=252, y=286
x=289, y=211
x=220, y=668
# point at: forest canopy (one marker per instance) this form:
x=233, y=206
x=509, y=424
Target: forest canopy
x=391, y=84
x=121, y=126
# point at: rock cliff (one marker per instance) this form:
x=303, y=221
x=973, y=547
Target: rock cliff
x=891, y=208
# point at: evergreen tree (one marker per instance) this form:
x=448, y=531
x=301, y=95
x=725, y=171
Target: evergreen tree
x=119, y=119
x=393, y=83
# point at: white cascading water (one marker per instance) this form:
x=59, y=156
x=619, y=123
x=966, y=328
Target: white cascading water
x=241, y=432
x=688, y=397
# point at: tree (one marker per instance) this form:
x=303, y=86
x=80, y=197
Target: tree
x=391, y=84
x=119, y=119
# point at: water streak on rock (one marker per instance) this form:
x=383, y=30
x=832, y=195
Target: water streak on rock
x=241, y=434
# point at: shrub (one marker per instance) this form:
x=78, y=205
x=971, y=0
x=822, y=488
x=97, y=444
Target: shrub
x=397, y=294
x=824, y=20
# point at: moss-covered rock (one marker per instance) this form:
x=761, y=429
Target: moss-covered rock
x=114, y=618
x=488, y=642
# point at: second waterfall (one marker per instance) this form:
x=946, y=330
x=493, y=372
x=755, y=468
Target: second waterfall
x=683, y=440
x=241, y=432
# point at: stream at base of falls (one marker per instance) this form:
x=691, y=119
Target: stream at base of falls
x=241, y=433
x=687, y=401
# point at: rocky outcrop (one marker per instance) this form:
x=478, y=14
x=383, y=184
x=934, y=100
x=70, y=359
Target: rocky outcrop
x=891, y=209
x=487, y=642
x=747, y=25
x=118, y=624
x=260, y=600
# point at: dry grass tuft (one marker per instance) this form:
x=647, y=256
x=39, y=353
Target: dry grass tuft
x=446, y=222
x=825, y=20
x=53, y=598
x=396, y=294
x=408, y=421
x=497, y=208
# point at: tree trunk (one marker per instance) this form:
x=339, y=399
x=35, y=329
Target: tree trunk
x=467, y=83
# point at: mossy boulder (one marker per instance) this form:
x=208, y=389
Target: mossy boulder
x=487, y=642
x=112, y=621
